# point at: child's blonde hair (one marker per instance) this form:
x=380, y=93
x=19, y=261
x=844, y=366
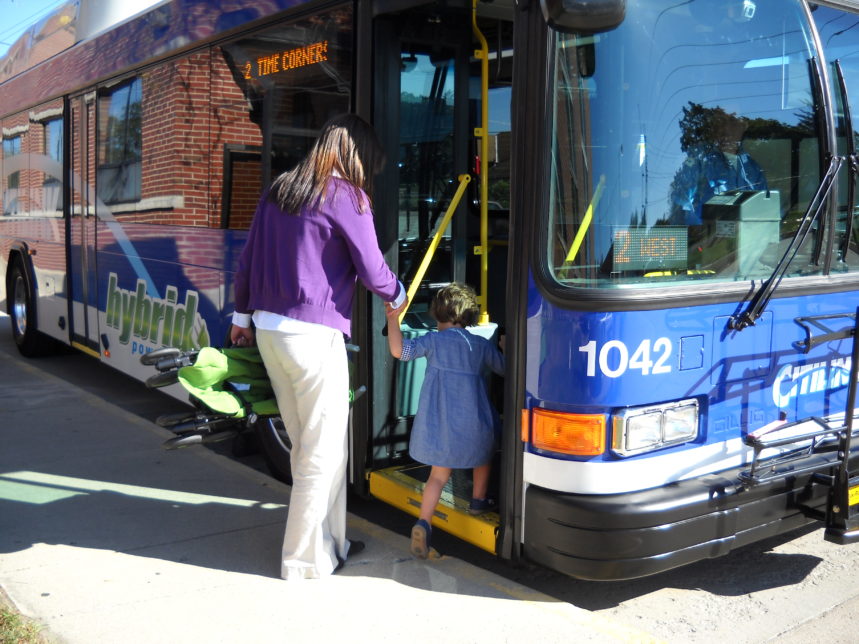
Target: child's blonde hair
x=455, y=303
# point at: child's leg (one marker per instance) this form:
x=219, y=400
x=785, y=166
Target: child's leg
x=480, y=479
x=421, y=531
x=432, y=491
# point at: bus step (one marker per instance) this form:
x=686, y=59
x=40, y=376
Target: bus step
x=402, y=487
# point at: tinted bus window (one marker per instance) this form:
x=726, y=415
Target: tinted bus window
x=11, y=176
x=272, y=91
x=155, y=145
x=48, y=162
x=838, y=34
x=120, y=144
x=54, y=142
x=685, y=146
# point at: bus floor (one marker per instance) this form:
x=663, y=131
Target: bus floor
x=402, y=486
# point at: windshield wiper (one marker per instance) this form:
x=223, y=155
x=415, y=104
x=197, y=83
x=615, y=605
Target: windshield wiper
x=763, y=295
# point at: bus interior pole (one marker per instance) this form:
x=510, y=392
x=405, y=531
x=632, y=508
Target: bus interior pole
x=482, y=133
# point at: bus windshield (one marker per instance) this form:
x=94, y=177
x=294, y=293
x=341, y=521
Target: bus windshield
x=685, y=146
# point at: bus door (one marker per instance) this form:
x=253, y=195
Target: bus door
x=82, y=291
x=427, y=106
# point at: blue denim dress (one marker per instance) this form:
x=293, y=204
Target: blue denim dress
x=455, y=425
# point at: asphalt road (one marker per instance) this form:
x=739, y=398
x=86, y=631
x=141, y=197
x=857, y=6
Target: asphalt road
x=792, y=589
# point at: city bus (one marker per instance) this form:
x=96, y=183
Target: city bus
x=654, y=200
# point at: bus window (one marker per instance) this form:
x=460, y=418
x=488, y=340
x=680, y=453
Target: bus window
x=153, y=145
x=838, y=35
x=120, y=145
x=47, y=167
x=12, y=204
x=658, y=176
x=272, y=91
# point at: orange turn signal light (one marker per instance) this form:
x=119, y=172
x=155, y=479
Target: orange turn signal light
x=576, y=434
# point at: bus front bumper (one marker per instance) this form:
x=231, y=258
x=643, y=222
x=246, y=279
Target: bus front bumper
x=631, y=535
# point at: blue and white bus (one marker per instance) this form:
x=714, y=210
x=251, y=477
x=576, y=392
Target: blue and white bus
x=654, y=199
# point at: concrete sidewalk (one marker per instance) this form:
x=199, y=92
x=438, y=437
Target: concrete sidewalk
x=105, y=537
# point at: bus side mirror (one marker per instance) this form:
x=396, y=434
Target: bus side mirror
x=583, y=16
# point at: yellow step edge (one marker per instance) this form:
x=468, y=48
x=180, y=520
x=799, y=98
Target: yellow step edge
x=85, y=349
x=404, y=492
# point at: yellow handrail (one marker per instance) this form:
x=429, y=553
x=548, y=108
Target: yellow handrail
x=464, y=180
x=586, y=221
x=482, y=133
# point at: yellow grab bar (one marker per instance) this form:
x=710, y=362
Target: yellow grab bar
x=464, y=180
x=586, y=222
x=482, y=133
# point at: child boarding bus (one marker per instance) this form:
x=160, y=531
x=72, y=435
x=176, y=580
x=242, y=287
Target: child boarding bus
x=654, y=200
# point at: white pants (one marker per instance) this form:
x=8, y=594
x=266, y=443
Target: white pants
x=310, y=376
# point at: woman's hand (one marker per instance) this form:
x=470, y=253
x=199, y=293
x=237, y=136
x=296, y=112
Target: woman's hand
x=395, y=335
x=241, y=336
x=393, y=314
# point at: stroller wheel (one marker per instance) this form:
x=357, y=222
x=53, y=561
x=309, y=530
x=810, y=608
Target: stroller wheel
x=186, y=440
x=197, y=438
x=154, y=356
x=162, y=379
x=275, y=446
x=169, y=420
x=219, y=436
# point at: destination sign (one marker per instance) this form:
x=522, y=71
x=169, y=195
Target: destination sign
x=284, y=61
x=637, y=249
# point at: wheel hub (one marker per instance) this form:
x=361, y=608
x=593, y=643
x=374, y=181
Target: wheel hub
x=19, y=306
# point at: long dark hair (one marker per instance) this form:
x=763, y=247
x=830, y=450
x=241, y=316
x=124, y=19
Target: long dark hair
x=348, y=145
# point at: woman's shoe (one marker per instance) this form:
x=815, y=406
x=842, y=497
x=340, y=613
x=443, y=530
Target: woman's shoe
x=355, y=547
x=421, y=533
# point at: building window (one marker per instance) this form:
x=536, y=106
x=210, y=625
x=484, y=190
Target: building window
x=119, y=141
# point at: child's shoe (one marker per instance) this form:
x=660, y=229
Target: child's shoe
x=481, y=506
x=421, y=533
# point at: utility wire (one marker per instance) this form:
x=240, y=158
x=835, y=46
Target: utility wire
x=10, y=34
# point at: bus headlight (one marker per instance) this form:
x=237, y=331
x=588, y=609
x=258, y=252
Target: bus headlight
x=644, y=429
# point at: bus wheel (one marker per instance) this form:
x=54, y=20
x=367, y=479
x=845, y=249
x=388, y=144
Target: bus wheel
x=22, y=309
x=275, y=446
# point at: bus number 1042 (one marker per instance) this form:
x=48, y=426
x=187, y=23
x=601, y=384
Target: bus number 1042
x=614, y=358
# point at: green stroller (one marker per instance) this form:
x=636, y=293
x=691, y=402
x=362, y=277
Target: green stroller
x=231, y=394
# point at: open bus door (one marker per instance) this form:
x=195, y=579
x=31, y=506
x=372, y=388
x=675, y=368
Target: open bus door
x=427, y=110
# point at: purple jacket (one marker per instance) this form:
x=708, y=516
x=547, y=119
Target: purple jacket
x=305, y=267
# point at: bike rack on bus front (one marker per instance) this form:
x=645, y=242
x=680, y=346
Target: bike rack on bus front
x=812, y=437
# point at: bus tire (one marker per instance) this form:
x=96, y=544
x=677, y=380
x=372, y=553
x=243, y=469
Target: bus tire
x=275, y=447
x=21, y=306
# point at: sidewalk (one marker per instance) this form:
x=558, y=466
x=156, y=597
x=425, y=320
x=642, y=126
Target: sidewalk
x=105, y=537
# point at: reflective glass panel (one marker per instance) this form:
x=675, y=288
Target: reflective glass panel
x=684, y=145
x=839, y=32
